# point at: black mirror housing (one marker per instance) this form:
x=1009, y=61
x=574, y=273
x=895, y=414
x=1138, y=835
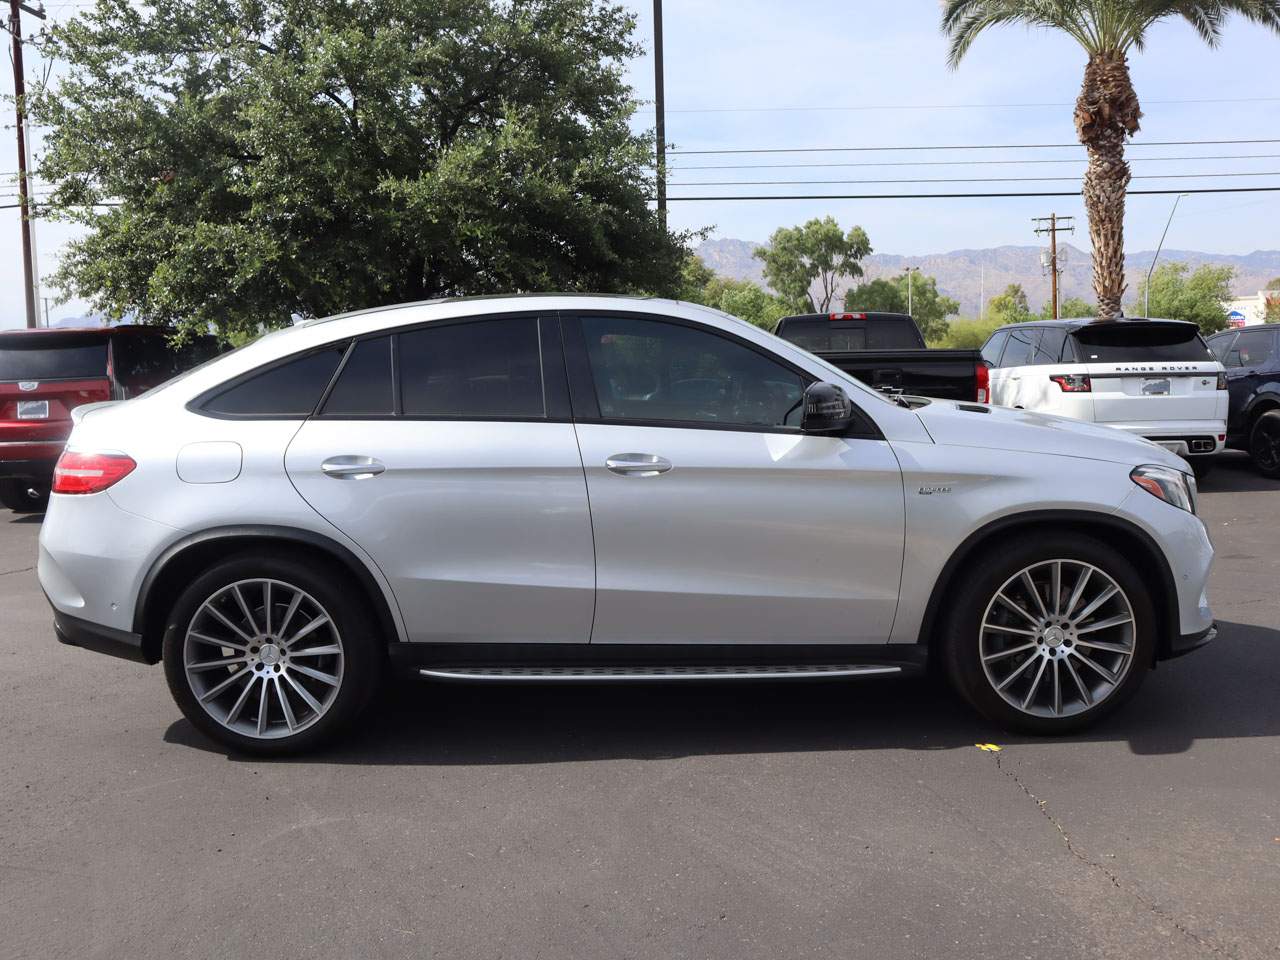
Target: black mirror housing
x=827, y=409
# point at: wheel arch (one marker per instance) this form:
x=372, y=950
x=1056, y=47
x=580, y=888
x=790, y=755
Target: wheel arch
x=1262, y=403
x=1122, y=535
x=183, y=559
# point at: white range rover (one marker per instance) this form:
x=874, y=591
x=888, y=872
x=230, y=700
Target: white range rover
x=1154, y=378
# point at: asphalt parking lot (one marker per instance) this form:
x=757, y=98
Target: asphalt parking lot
x=833, y=820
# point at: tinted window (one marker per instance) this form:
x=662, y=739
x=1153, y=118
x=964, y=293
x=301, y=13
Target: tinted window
x=1021, y=347
x=1253, y=348
x=484, y=368
x=1140, y=342
x=828, y=336
x=991, y=352
x=1049, y=350
x=651, y=370
x=893, y=335
x=64, y=357
x=1221, y=343
x=145, y=360
x=364, y=386
x=291, y=389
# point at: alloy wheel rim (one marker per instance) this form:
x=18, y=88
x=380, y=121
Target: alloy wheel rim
x=1058, y=638
x=263, y=658
x=1267, y=446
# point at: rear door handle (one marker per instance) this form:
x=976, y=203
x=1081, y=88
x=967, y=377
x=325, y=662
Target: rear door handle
x=351, y=467
x=637, y=464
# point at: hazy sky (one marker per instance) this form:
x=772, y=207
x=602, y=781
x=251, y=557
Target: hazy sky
x=725, y=60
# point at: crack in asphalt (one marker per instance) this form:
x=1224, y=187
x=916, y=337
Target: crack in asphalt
x=5, y=573
x=1146, y=902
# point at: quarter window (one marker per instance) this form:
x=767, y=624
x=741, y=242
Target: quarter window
x=487, y=369
x=288, y=390
x=652, y=370
x=991, y=352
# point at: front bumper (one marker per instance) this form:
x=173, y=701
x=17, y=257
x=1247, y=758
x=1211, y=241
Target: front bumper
x=93, y=636
x=1182, y=644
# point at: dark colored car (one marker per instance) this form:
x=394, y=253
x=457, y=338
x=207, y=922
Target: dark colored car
x=1252, y=358
x=44, y=374
x=888, y=352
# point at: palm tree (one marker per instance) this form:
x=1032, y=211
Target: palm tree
x=1107, y=110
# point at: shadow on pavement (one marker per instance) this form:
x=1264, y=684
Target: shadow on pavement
x=1224, y=691
x=1233, y=472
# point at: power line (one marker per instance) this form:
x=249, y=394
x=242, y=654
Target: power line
x=949, y=106
x=967, y=196
x=780, y=183
x=961, y=163
x=979, y=146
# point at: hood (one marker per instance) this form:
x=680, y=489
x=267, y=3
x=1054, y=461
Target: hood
x=1021, y=431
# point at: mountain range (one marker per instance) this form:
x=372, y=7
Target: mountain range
x=970, y=276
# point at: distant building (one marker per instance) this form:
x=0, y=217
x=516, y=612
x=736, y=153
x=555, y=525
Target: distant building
x=1245, y=311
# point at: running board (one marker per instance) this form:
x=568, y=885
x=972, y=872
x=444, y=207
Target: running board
x=807, y=671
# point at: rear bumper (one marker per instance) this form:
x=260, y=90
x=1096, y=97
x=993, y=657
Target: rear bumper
x=1186, y=438
x=93, y=636
x=39, y=469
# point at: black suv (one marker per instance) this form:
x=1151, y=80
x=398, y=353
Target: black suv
x=1252, y=358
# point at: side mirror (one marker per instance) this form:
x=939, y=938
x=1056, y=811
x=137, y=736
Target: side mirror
x=827, y=409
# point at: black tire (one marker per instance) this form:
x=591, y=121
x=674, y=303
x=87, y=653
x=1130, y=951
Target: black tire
x=1201, y=466
x=24, y=496
x=963, y=651
x=363, y=651
x=1264, y=444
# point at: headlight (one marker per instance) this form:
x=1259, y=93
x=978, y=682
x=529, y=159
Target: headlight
x=1171, y=486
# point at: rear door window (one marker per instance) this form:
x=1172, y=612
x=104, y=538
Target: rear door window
x=55, y=357
x=1139, y=342
x=1253, y=348
x=1021, y=347
x=482, y=369
x=364, y=386
x=1221, y=344
x=287, y=391
x=1049, y=349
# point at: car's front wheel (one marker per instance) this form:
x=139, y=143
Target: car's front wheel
x=268, y=655
x=1052, y=635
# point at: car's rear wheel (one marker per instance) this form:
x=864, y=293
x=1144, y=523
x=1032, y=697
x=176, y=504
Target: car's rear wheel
x=269, y=655
x=1264, y=444
x=1051, y=636
x=24, y=496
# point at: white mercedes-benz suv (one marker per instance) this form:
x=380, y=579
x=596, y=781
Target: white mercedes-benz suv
x=558, y=488
x=1154, y=378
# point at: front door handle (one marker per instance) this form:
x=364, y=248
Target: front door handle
x=350, y=467
x=637, y=464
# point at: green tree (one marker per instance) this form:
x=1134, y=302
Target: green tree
x=1010, y=306
x=273, y=158
x=1107, y=110
x=816, y=252
x=741, y=298
x=1178, y=293
x=915, y=293
x=1071, y=307
x=1271, y=309
x=969, y=334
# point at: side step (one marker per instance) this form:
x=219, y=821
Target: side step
x=806, y=671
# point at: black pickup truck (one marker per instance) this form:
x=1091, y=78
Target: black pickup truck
x=886, y=351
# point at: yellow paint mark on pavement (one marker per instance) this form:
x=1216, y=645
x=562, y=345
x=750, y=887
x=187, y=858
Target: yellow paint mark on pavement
x=989, y=747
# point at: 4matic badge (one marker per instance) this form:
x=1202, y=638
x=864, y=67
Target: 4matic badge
x=929, y=489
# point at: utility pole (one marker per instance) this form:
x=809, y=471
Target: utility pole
x=1053, y=229
x=19, y=95
x=660, y=104
x=911, y=272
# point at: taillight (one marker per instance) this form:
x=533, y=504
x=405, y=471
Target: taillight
x=1073, y=382
x=78, y=472
x=983, y=374
x=1222, y=380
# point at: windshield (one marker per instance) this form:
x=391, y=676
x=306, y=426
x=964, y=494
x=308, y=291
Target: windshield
x=43, y=358
x=1140, y=342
